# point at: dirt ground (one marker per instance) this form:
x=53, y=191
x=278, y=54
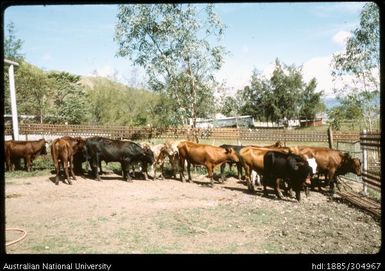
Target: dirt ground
x=167, y=216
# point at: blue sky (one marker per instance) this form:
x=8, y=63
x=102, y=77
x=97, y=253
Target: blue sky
x=79, y=39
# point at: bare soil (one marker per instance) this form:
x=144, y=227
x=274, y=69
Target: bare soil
x=167, y=216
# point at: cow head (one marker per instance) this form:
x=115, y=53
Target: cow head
x=278, y=144
x=231, y=154
x=44, y=148
x=355, y=166
x=148, y=155
x=352, y=165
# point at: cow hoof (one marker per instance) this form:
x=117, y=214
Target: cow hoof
x=70, y=183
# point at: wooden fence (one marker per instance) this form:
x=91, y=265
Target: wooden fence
x=234, y=134
x=371, y=160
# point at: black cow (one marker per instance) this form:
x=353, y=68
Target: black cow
x=286, y=166
x=237, y=149
x=126, y=152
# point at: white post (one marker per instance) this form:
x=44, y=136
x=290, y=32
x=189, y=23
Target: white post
x=15, y=123
x=365, y=167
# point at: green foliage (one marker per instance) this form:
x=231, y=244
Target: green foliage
x=12, y=45
x=357, y=68
x=68, y=99
x=283, y=96
x=171, y=41
x=32, y=90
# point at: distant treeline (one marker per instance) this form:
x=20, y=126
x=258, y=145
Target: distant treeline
x=61, y=97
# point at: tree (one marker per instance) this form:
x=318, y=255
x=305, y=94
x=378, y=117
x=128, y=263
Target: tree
x=32, y=90
x=12, y=45
x=12, y=51
x=68, y=99
x=171, y=42
x=357, y=68
x=254, y=97
x=310, y=102
x=283, y=96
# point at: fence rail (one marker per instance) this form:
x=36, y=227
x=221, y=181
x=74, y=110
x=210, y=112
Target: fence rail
x=371, y=156
x=241, y=134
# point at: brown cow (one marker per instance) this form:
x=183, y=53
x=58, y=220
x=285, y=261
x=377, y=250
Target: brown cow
x=202, y=154
x=7, y=155
x=62, y=154
x=251, y=158
x=331, y=162
x=28, y=150
x=77, y=144
x=63, y=151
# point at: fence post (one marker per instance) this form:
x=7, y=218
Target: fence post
x=238, y=136
x=330, y=137
x=365, y=165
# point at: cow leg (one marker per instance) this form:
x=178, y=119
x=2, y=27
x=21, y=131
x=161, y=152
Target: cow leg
x=144, y=170
x=277, y=189
x=97, y=162
x=57, y=169
x=71, y=165
x=239, y=171
x=29, y=163
x=154, y=171
x=264, y=182
x=332, y=180
x=181, y=170
x=161, y=170
x=250, y=186
x=65, y=166
x=223, y=172
x=210, y=169
x=100, y=167
x=189, y=171
x=125, y=165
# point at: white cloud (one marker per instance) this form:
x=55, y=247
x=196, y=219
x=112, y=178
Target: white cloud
x=341, y=38
x=319, y=67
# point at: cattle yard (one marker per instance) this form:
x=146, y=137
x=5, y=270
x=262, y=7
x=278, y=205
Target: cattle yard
x=168, y=216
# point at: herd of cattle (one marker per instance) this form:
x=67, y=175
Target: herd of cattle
x=275, y=165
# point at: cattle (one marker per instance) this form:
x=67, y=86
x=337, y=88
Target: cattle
x=64, y=151
x=202, y=154
x=251, y=159
x=286, y=166
x=331, y=162
x=62, y=154
x=7, y=155
x=109, y=150
x=237, y=149
x=28, y=150
x=161, y=151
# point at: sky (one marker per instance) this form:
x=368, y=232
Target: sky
x=79, y=39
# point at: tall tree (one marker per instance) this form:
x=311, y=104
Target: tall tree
x=68, y=99
x=357, y=68
x=12, y=44
x=173, y=43
x=283, y=96
x=12, y=51
x=32, y=90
